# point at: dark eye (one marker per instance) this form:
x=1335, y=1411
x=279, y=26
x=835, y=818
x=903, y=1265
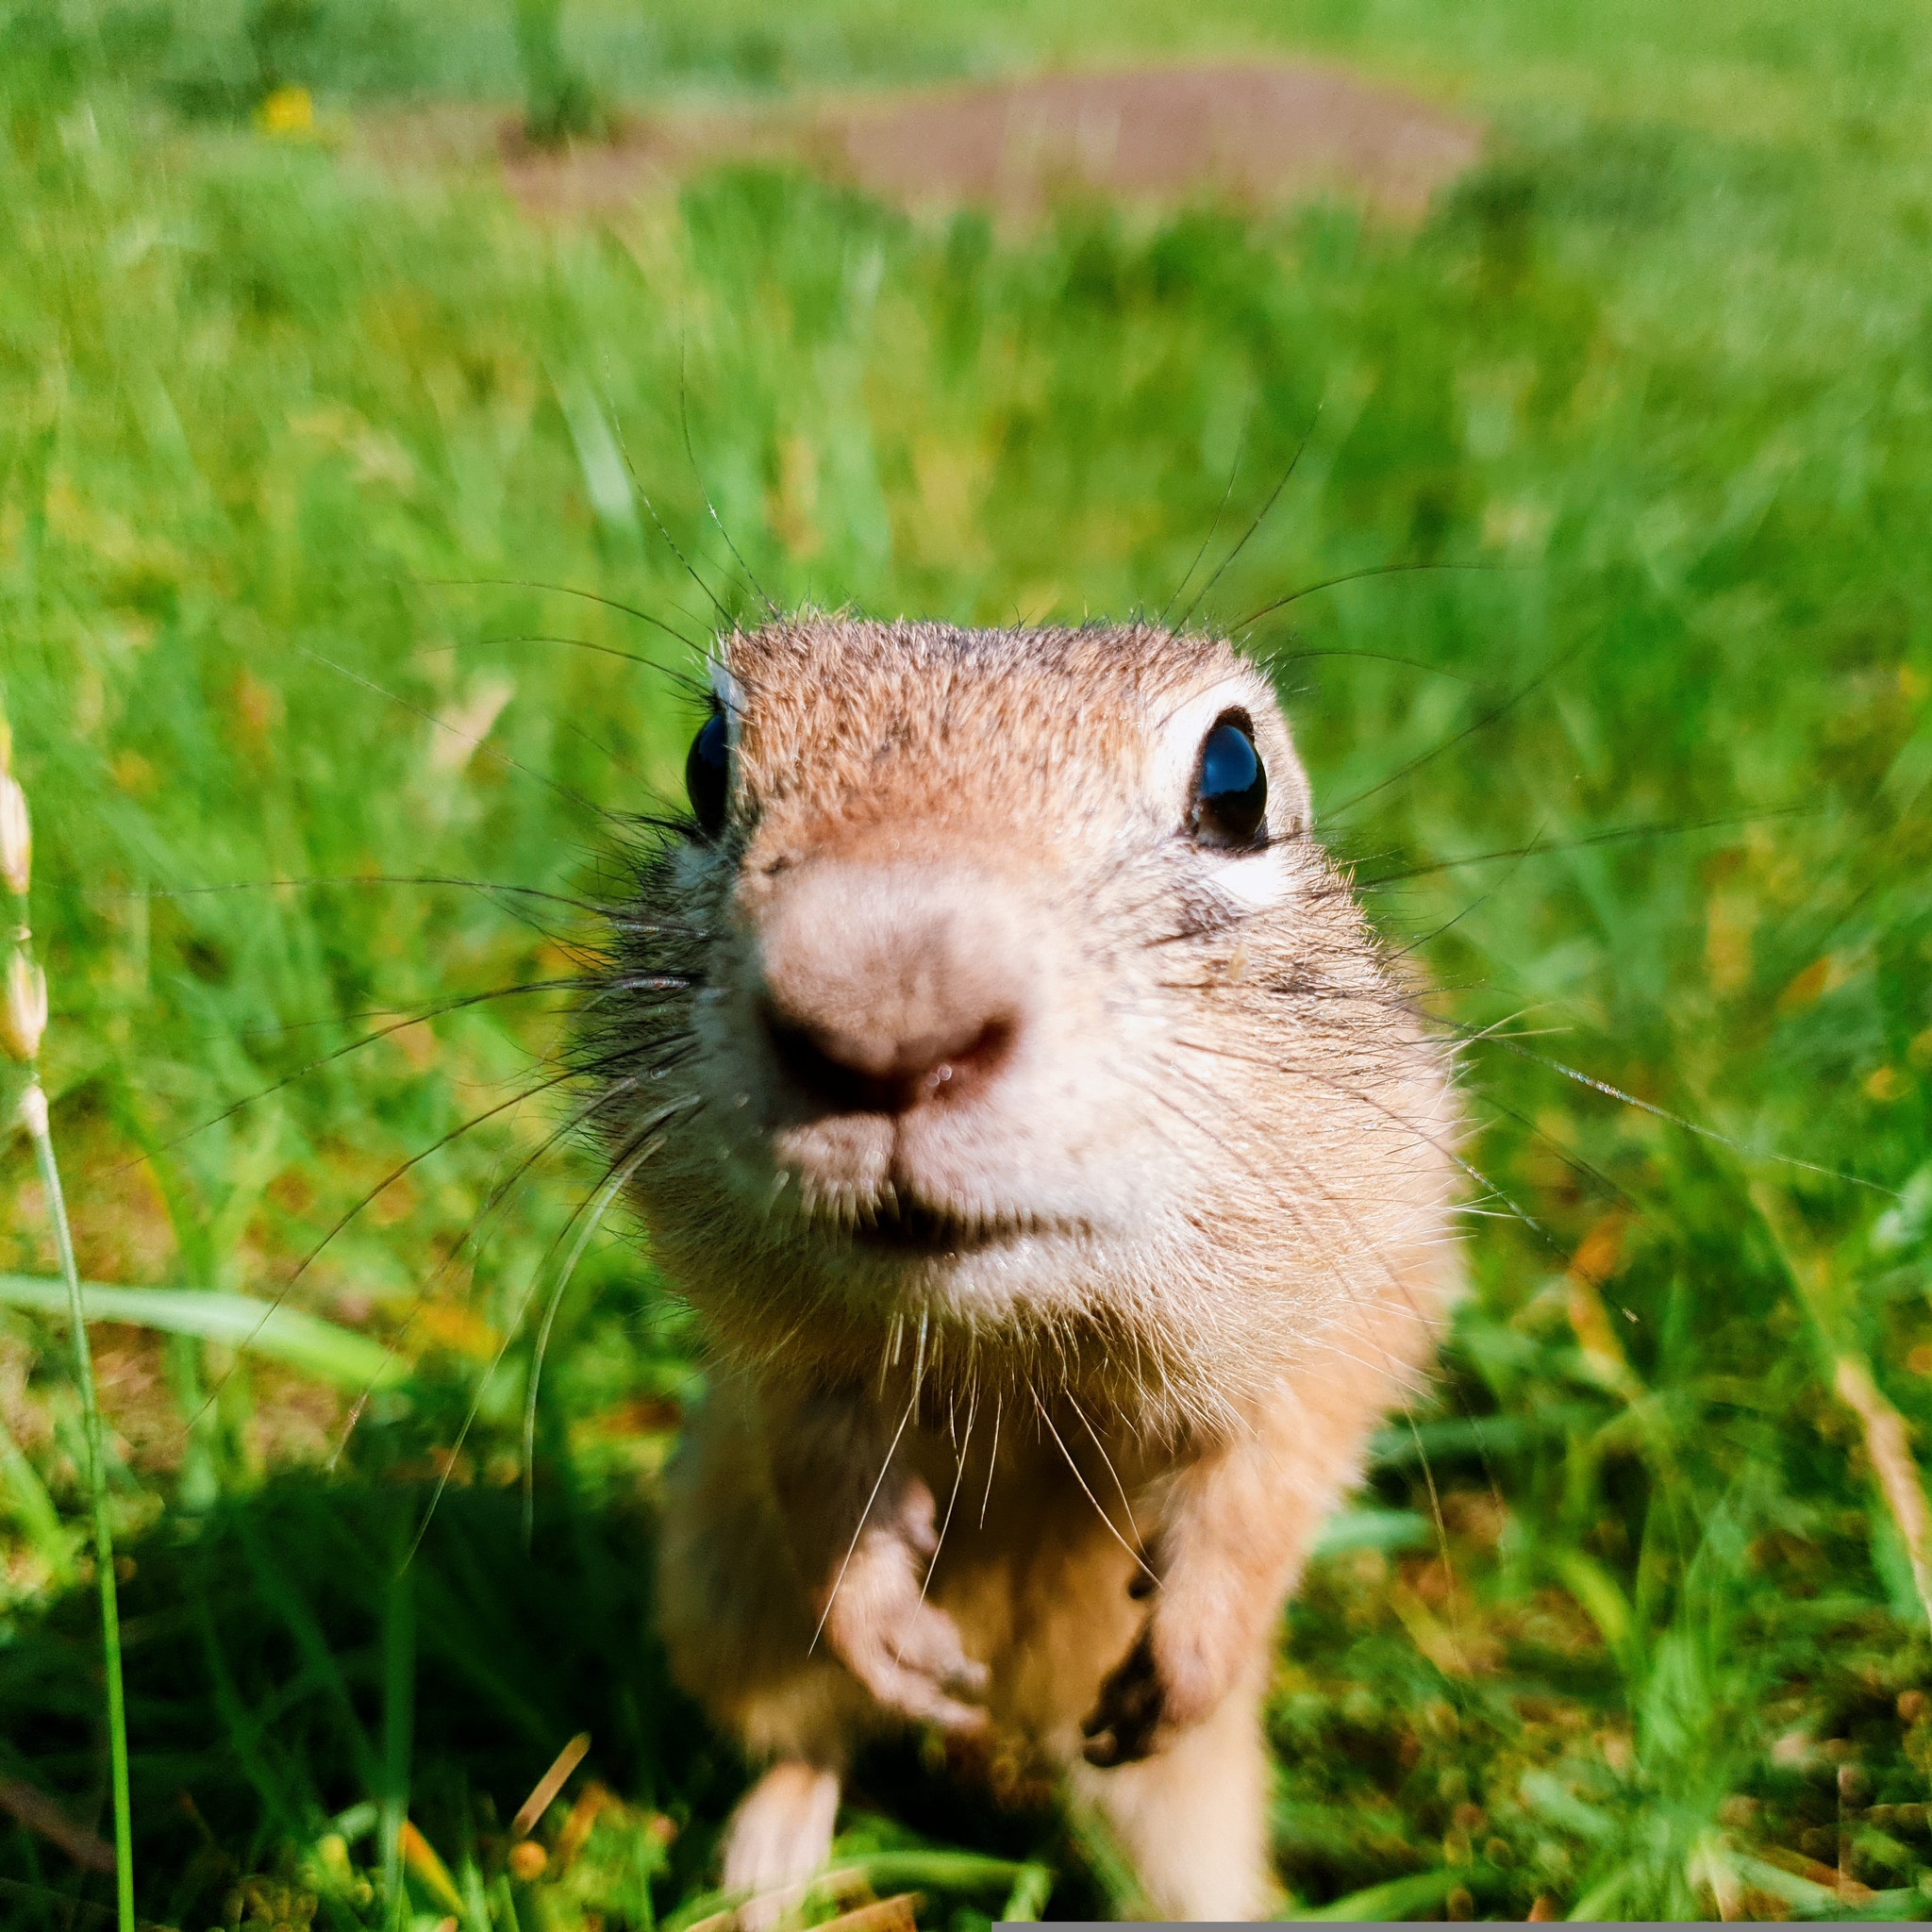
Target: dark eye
x=1231, y=793
x=708, y=772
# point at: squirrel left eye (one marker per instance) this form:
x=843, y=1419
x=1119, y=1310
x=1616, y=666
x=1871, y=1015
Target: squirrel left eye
x=708, y=774
x=1231, y=791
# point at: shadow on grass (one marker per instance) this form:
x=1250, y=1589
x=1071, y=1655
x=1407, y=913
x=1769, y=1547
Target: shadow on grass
x=274, y=1678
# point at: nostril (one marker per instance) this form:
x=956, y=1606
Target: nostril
x=834, y=1083
x=846, y=1074
x=951, y=1070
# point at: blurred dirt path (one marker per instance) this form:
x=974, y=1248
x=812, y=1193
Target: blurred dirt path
x=1249, y=131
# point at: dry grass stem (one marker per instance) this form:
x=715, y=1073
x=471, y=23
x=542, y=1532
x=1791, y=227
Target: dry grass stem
x=1885, y=1432
x=549, y=1785
x=1887, y=1443
x=40, y=1814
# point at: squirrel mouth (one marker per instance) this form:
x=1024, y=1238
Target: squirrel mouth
x=902, y=1225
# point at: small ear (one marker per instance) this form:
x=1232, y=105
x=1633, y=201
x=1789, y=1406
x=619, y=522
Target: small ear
x=729, y=693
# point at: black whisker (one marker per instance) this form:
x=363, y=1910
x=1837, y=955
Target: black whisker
x=1568, y=1155
x=1206, y=589
x=690, y=456
x=1213, y=528
x=516, y=1323
x=401, y=1025
x=1491, y=717
x=1368, y=656
x=481, y=745
x=724, y=616
x=560, y=591
x=382, y=1187
x=637, y=658
x=1615, y=835
x=1395, y=957
x=1355, y=576
x=485, y=886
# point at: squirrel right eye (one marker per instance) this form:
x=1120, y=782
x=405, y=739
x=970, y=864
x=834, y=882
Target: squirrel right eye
x=708, y=774
x=1231, y=791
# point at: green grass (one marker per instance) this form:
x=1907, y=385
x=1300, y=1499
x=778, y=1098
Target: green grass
x=282, y=447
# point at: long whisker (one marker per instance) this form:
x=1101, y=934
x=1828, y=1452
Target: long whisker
x=1491, y=717
x=1214, y=527
x=499, y=1195
x=560, y=591
x=724, y=616
x=691, y=455
x=1140, y=1560
x=1120, y=1487
x=1585, y=1170
x=1389, y=1365
x=1355, y=576
x=1689, y=1126
x=586, y=1223
x=1615, y=835
x=1275, y=658
x=380, y=1033
x=1367, y=1099
x=614, y=758
x=487, y=887
x=1206, y=589
x=839, y=1581
x=1427, y=939
x=381, y=1187
x=599, y=1208
x=489, y=1375
x=637, y=658
x=999, y=1403
x=481, y=747
x=951, y=1501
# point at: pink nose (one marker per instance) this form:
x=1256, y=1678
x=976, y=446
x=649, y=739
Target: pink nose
x=887, y=988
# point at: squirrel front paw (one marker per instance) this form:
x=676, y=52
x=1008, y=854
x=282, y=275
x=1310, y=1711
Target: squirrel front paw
x=906, y=1651
x=1162, y=1686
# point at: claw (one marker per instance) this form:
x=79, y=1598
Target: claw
x=1125, y=1724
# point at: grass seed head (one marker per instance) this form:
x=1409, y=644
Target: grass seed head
x=23, y=1009
x=16, y=836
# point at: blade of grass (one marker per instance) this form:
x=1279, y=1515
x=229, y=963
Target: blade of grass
x=33, y=1809
x=312, y=1644
x=1398, y=1899
x=33, y=1115
x=1827, y=1302
x=33, y=1508
x=398, y=1713
x=1028, y=1897
x=317, y=1348
x=422, y=1859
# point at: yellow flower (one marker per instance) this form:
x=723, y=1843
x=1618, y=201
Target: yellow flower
x=287, y=111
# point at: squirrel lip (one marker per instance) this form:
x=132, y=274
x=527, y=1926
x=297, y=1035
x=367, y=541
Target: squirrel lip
x=912, y=1229
x=902, y=1224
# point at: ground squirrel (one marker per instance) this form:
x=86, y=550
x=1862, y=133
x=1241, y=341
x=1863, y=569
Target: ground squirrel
x=1064, y=1180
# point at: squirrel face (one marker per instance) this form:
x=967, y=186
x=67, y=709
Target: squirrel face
x=1014, y=992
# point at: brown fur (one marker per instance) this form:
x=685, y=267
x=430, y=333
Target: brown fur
x=1046, y=1342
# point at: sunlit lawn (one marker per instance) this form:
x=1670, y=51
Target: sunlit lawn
x=292, y=461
